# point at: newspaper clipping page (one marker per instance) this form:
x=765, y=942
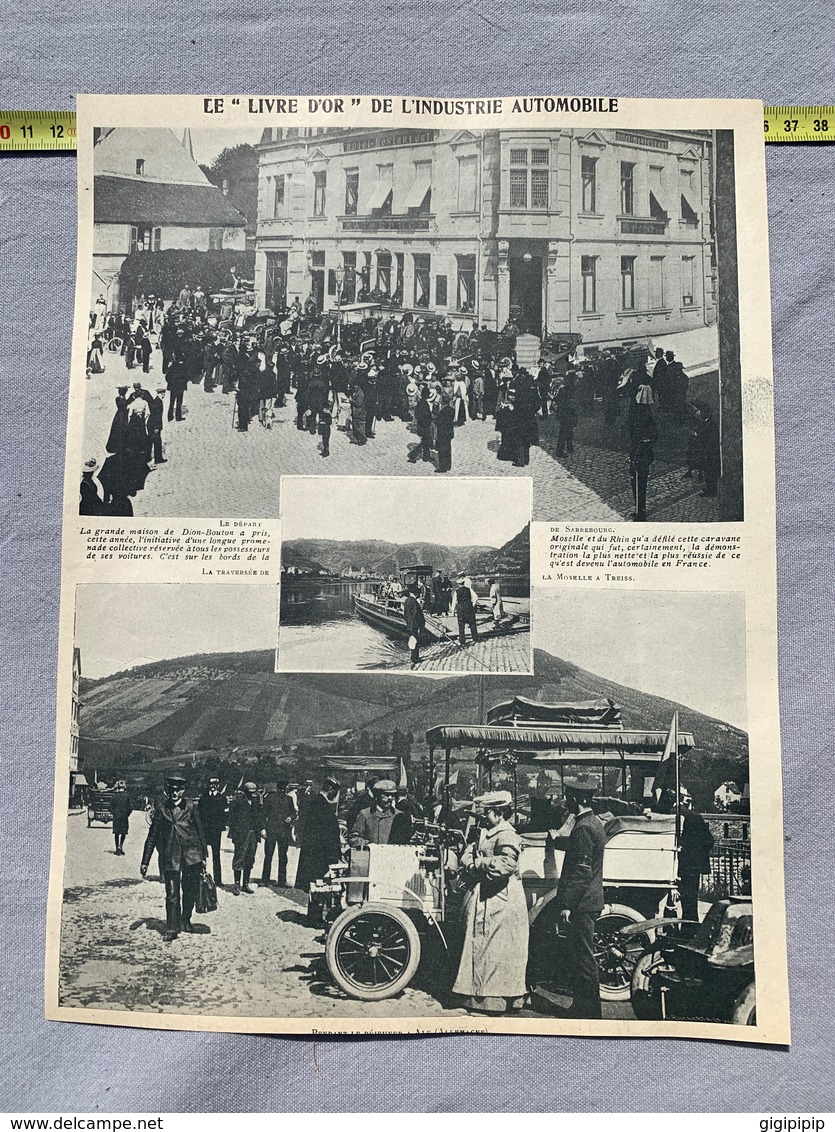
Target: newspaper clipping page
x=418, y=642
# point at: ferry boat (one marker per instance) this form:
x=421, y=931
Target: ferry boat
x=386, y=612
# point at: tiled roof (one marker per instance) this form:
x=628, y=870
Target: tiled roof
x=122, y=200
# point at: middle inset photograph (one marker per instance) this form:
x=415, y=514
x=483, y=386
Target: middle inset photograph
x=399, y=574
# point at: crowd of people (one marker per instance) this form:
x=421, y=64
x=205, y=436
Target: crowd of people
x=390, y=367
x=490, y=960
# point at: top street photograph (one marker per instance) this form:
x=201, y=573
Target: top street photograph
x=559, y=305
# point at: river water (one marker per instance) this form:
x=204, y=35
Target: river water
x=320, y=632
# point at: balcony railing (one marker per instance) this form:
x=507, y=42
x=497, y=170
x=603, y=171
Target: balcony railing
x=386, y=223
x=633, y=227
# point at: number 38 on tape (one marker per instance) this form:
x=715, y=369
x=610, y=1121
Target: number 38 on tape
x=30, y=130
x=799, y=123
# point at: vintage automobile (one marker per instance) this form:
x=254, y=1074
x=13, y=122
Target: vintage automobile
x=384, y=908
x=390, y=901
x=100, y=807
x=699, y=972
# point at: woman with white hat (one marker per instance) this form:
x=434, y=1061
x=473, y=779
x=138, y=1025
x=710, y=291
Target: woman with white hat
x=491, y=971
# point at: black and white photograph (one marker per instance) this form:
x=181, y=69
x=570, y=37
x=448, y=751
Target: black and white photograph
x=393, y=573
x=559, y=304
x=249, y=846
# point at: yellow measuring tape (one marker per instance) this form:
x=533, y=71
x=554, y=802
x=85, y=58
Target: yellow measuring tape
x=23, y=131
x=31, y=131
x=799, y=123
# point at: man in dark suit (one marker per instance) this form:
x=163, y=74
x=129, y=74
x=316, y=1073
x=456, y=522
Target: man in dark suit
x=415, y=624
x=580, y=894
x=278, y=814
x=177, y=835
x=464, y=610
x=321, y=844
x=156, y=409
x=176, y=377
x=212, y=810
x=245, y=833
x=693, y=857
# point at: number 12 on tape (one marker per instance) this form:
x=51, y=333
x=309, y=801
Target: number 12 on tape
x=31, y=130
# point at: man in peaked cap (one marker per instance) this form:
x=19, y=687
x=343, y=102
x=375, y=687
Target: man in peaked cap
x=580, y=894
x=177, y=834
x=245, y=823
x=373, y=825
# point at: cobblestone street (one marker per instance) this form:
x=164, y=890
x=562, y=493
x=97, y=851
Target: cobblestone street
x=212, y=470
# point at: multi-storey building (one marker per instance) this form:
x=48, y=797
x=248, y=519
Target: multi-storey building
x=605, y=233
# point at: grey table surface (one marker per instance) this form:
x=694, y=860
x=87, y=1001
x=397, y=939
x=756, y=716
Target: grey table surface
x=758, y=48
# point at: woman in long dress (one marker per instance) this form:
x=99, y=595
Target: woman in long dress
x=491, y=972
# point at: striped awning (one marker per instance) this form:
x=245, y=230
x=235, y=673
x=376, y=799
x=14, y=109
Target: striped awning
x=557, y=742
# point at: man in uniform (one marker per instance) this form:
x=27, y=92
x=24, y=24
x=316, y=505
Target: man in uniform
x=580, y=895
x=373, y=826
x=177, y=834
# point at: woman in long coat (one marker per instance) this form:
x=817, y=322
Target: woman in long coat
x=491, y=973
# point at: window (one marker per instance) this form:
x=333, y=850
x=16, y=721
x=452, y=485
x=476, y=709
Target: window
x=215, y=239
x=320, y=184
x=380, y=201
x=422, y=271
x=690, y=197
x=279, y=195
x=539, y=188
x=466, y=284
x=140, y=166
x=275, y=295
x=352, y=191
x=518, y=188
x=467, y=187
x=627, y=188
x=384, y=272
x=144, y=238
x=589, y=174
x=349, y=278
x=317, y=259
x=441, y=290
x=627, y=282
x=656, y=282
x=588, y=267
x=657, y=200
x=688, y=280
x=529, y=181
x=331, y=281
x=419, y=198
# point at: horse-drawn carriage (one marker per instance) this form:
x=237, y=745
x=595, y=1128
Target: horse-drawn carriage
x=391, y=901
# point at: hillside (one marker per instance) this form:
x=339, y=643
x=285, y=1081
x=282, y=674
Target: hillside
x=221, y=701
x=513, y=559
x=377, y=557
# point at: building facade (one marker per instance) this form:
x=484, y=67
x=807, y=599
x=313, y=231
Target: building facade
x=603, y=233
x=150, y=195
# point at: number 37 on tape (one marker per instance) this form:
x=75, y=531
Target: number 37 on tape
x=799, y=123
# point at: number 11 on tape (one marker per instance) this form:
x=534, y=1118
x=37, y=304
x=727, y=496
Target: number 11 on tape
x=24, y=131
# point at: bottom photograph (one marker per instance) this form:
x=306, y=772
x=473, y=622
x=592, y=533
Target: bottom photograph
x=242, y=843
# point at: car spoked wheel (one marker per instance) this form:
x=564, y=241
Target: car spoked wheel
x=372, y=951
x=617, y=955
